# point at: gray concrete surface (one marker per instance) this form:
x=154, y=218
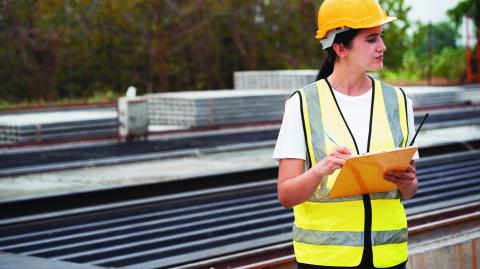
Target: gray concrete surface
x=74, y=180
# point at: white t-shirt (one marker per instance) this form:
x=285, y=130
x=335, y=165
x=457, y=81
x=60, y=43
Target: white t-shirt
x=355, y=109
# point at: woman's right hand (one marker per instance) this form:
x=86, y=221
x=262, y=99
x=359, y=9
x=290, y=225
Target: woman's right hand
x=295, y=186
x=332, y=161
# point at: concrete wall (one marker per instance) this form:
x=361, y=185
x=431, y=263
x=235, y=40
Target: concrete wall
x=447, y=248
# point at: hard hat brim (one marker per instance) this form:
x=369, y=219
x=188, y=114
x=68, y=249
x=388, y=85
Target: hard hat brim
x=322, y=35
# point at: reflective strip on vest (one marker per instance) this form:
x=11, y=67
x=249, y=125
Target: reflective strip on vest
x=327, y=231
x=321, y=196
x=354, y=239
x=391, y=100
x=312, y=110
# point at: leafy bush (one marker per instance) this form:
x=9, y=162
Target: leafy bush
x=449, y=63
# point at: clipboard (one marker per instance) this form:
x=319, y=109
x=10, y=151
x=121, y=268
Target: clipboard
x=364, y=173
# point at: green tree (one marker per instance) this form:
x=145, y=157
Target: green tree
x=449, y=63
x=434, y=46
x=55, y=49
x=27, y=51
x=469, y=8
x=438, y=35
x=395, y=37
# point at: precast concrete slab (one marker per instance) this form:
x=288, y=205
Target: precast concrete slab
x=459, y=134
x=74, y=180
x=68, y=124
x=56, y=117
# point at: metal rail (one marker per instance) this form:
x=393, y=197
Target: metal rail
x=281, y=255
x=160, y=231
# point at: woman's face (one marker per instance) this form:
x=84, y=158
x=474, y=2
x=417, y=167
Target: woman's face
x=367, y=49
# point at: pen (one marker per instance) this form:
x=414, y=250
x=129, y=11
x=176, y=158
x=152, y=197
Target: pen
x=331, y=138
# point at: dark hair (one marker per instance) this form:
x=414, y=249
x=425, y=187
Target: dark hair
x=346, y=39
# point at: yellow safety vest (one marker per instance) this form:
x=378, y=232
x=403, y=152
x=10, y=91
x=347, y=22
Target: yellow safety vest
x=330, y=232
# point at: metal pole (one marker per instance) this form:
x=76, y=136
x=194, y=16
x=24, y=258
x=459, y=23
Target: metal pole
x=467, y=47
x=430, y=48
x=477, y=36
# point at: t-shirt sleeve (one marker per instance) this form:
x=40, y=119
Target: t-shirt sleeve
x=291, y=140
x=411, y=126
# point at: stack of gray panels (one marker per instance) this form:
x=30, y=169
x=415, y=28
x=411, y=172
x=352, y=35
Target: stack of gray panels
x=471, y=94
x=453, y=117
x=275, y=79
x=59, y=125
x=218, y=107
x=423, y=96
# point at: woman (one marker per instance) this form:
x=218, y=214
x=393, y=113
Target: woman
x=364, y=115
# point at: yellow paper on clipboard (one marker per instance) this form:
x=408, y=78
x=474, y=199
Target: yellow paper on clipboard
x=364, y=173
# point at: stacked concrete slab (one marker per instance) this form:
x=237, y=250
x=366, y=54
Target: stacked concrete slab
x=454, y=117
x=422, y=96
x=216, y=107
x=274, y=79
x=259, y=96
x=44, y=126
x=471, y=94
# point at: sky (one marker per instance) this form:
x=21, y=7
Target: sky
x=430, y=10
x=434, y=11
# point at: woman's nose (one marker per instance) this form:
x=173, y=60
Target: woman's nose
x=382, y=46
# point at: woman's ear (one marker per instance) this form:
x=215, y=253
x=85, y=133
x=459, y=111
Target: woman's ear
x=340, y=49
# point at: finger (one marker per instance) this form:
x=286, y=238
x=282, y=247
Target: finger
x=343, y=150
x=401, y=181
x=400, y=175
x=339, y=161
x=400, y=184
x=390, y=178
x=397, y=170
x=343, y=156
x=411, y=169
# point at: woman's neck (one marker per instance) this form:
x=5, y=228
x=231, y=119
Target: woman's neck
x=349, y=82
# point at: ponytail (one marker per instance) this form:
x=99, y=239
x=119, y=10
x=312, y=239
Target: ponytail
x=327, y=67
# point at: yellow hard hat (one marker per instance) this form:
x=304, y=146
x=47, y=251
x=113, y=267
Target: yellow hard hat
x=356, y=14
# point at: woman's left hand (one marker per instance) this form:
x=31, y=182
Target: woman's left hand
x=406, y=181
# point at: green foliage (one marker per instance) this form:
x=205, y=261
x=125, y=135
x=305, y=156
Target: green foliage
x=441, y=35
x=395, y=37
x=100, y=96
x=57, y=49
x=468, y=8
x=53, y=50
x=449, y=63
x=408, y=57
x=4, y=104
x=432, y=50
x=411, y=69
